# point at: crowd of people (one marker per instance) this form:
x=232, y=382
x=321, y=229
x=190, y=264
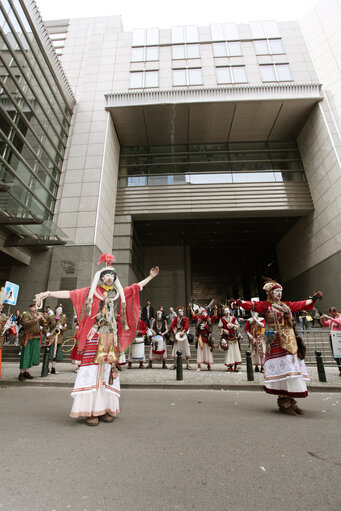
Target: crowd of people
x=111, y=323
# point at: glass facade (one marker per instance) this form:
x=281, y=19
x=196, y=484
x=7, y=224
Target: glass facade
x=237, y=162
x=34, y=121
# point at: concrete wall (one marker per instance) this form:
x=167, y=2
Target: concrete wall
x=317, y=236
x=86, y=198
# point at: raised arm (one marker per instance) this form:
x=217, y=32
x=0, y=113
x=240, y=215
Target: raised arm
x=54, y=294
x=152, y=274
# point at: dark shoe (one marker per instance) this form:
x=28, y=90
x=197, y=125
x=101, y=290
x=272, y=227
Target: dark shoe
x=106, y=417
x=295, y=407
x=141, y=366
x=21, y=377
x=53, y=371
x=256, y=369
x=92, y=421
x=165, y=367
x=28, y=376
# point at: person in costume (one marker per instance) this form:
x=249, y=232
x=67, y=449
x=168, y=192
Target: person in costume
x=108, y=316
x=179, y=329
x=334, y=323
x=205, y=343
x=33, y=325
x=57, y=324
x=4, y=320
x=136, y=350
x=285, y=374
x=254, y=329
x=158, y=348
x=228, y=326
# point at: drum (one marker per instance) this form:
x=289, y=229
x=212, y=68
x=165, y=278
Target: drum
x=158, y=345
x=137, y=349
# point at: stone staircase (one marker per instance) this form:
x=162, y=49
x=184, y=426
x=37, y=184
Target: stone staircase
x=318, y=339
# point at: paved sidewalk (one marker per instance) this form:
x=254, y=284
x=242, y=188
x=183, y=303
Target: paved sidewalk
x=217, y=378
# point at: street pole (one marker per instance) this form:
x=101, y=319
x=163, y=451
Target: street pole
x=179, y=374
x=45, y=367
x=249, y=367
x=320, y=366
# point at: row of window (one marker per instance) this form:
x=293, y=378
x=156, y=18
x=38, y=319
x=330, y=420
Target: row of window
x=223, y=49
x=225, y=74
x=219, y=32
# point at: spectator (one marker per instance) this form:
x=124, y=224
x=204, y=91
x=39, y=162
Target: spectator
x=148, y=313
x=334, y=323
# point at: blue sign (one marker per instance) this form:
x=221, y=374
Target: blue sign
x=11, y=293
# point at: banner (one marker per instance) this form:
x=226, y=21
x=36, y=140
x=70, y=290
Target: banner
x=12, y=291
x=336, y=343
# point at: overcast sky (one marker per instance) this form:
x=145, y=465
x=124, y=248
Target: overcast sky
x=164, y=14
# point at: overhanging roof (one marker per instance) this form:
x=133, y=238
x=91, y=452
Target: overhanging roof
x=212, y=115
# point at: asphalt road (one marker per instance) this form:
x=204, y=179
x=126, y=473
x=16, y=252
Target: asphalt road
x=169, y=450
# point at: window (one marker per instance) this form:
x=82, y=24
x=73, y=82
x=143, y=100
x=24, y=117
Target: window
x=275, y=72
x=227, y=49
x=188, y=76
x=185, y=51
x=146, y=37
x=144, y=79
x=187, y=34
x=264, y=29
x=268, y=47
x=145, y=53
x=225, y=32
x=231, y=74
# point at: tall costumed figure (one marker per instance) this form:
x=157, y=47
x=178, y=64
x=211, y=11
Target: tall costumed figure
x=285, y=373
x=107, y=315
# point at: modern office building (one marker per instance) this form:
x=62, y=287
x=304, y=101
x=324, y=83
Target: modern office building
x=36, y=104
x=211, y=151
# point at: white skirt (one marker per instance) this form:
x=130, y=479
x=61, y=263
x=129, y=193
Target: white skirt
x=204, y=355
x=88, y=400
x=182, y=346
x=286, y=375
x=232, y=356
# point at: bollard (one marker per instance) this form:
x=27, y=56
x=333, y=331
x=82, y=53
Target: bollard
x=45, y=367
x=179, y=374
x=320, y=366
x=249, y=367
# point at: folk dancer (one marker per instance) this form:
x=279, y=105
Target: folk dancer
x=136, y=350
x=179, y=329
x=205, y=342
x=334, y=323
x=158, y=348
x=285, y=374
x=228, y=326
x=254, y=329
x=4, y=320
x=101, y=338
x=57, y=323
x=33, y=325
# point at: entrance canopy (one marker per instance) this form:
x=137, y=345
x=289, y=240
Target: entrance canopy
x=208, y=115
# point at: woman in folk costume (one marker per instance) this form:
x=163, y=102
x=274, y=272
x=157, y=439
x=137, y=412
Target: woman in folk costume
x=228, y=326
x=136, y=350
x=255, y=328
x=205, y=347
x=285, y=374
x=101, y=338
x=158, y=348
x=179, y=329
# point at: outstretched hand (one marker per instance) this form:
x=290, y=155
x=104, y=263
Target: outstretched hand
x=154, y=271
x=39, y=298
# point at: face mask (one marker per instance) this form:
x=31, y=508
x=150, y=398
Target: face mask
x=226, y=311
x=59, y=310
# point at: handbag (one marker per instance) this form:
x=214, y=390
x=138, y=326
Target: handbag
x=308, y=317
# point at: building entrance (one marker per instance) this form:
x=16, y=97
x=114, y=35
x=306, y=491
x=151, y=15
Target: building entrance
x=206, y=258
